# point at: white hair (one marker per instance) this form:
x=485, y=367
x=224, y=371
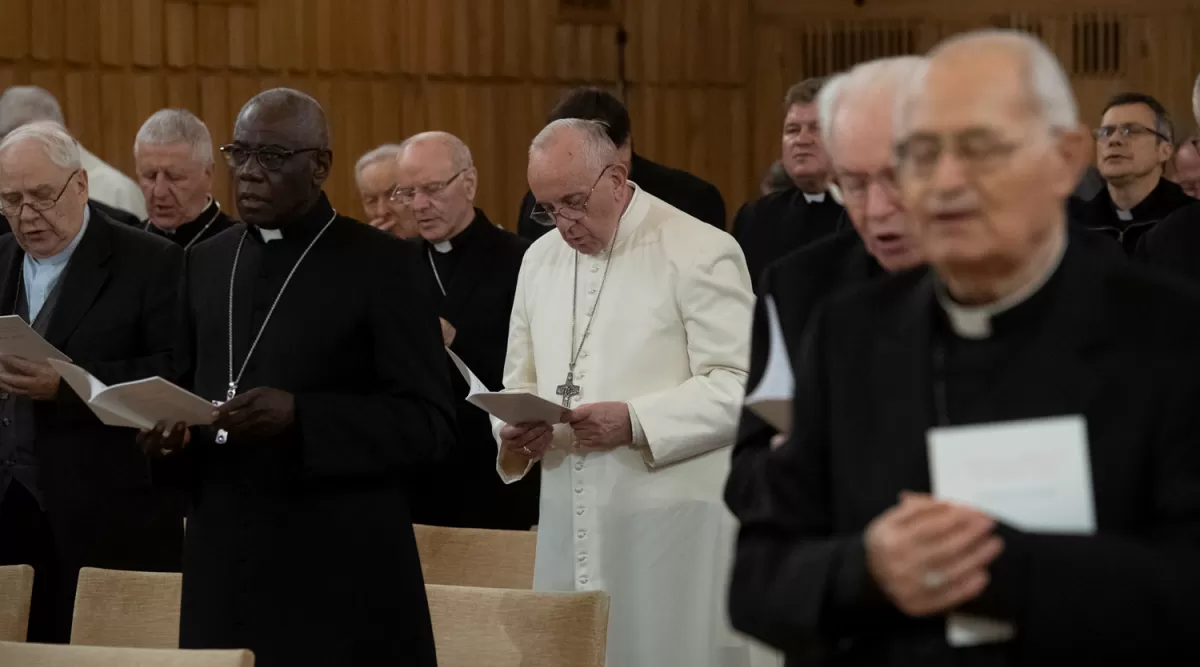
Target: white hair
x=26, y=104
x=599, y=151
x=1196, y=100
x=59, y=147
x=382, y=153
x=885, y=76
x=460, y=155
x=1048, y=83
x=177, y=126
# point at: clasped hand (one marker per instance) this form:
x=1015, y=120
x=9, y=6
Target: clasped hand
x=930, y=556
x=37, y=380
x=601, y=427
x=258, y=413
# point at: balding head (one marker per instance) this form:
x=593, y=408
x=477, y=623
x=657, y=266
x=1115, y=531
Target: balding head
x=280, y=157
x=579, y=182
x=436, y=180
x=989, y=150
x=856, y=128
x=1186, y=170
x=26, y=104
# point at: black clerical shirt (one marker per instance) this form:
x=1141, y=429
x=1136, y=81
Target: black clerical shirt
x=778, y=223
x=211, y=221
x=1128, y=227
x=447, y=255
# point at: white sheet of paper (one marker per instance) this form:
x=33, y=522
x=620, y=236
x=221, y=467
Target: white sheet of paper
x=1033, y=474
x=18, y=339
x=508, y=407
x=772, y=396
x=137, y=404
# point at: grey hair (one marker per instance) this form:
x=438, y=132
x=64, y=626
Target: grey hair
x=460, y=155
x=177, y=126
x=885, y=75
x=1048, y=83
x=1196, y=99
x=599, y=151
x=59, y=147
x=26, y=104
x=378, y=154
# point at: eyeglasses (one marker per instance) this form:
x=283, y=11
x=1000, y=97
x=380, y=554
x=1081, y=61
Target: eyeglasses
x=431, y=190
x=11, y=208
x=270, y=158
x=978, y=150
x=1125, y=130
x=545, y=214
x=855, y=187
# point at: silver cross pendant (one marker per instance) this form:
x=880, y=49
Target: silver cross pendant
x=222, y=434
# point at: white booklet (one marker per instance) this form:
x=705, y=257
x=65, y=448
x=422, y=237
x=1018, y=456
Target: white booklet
x=771, y=399
x=137, y=404
x=18, y=339
x=1032, y=474
x=509, y=407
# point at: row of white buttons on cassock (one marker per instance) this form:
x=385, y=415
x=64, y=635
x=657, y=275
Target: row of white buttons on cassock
x=583, y=517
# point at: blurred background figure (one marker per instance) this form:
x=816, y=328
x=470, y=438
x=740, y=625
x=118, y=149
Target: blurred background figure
x=375, y=176
x=1185, y=167
x=775, y=178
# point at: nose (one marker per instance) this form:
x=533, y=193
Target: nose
x=251, y=171
x=949, y=174
x=881, y=201
x=161, y=188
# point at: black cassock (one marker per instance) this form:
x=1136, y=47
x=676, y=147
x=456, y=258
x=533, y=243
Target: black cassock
x=478, y=271
x=1173, y=246
x=686, y=192
x=778, y=223
x=1100, y=213
x=300, y=547
x=1102, y=339
x=211, y=221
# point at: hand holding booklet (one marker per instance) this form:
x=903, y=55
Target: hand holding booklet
x=18, y=339
x=509, y=407
x=138, y=404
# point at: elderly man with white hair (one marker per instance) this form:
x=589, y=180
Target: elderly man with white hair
x=635, y=317
x=173, y=156
x=472, y=268
x=73, y=492
x=375, y=177
x=845, y=556
x=107, y=185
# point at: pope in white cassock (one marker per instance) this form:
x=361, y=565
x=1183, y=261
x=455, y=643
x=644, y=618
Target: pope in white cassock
x=638, y=316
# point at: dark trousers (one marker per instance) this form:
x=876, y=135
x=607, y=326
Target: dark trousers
x=26, y=539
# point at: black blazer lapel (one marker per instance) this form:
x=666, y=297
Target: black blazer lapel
x=11, y=263
x=85, y=277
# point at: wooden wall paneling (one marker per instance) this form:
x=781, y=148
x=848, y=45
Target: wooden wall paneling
x=514, y=41
x=383, y=37
x=540, y=39
x=148, y=95
x=183, y=92
x=147, y=23
x=14, y=29
x=744, y=172
x=586, y=43
x=180, y=25
x=214, y=109
x=299, y=45
x=386, y=109
x=80, y=20
x=485, y=145
x=114, y=27
x=410, y=23
x=116, y=120
x=242, y=35
x=323, y=14
x=272, y=31
x=653, y=50
x=437, y=45
x=769, y=86
x=46, y=30
x=461, y=40
x=212, y=36
x=79, y=96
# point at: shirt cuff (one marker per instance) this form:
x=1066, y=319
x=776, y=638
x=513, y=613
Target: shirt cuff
x=640, y=443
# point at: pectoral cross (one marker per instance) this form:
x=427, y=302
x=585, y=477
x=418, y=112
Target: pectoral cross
x=222, y=435
x=568, y=389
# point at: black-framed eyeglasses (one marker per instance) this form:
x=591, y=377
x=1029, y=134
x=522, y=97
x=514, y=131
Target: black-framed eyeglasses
x=855, y=186
x=1125, y=130
x=12, y=209
x=977, y=150
x=431, y=190
x=545, y=214
x=271, y=158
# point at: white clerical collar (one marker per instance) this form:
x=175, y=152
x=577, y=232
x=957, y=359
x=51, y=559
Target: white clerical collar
x=1122, y=214
x=269, y=235
x=818, y=198
x=443, y=247
x=65, y=254
x=975, y=322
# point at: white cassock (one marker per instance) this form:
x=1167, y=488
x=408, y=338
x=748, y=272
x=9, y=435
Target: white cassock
x=670, y=338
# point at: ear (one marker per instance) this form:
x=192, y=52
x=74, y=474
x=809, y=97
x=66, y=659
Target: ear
x=471, y=183
x=82, y=187
x=324, y=165
x=619, y=174
x=1074, y=152
x=1165, y=152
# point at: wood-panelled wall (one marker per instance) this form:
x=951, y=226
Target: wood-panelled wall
x=704, y=77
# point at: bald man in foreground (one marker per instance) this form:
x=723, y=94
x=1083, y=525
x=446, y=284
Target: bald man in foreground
x=333, y=385
x=847, y=555
x=472, y=266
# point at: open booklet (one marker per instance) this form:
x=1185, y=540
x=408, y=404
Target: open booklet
x=137, y=404
x=509, y=407
x=771, y=399
x=18, y=339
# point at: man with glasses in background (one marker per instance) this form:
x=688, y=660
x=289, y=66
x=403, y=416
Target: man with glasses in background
x=333, y=385
x=635, y=317
x=73, y=492
x=472, y=268
x=1133, y=146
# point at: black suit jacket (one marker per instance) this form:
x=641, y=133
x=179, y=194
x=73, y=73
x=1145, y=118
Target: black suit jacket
x=116, y=318
x=686, y=192
x=1173, y=246
x=1117, y=346
x=780, y=222
x=1100, y=214
x=467, y=492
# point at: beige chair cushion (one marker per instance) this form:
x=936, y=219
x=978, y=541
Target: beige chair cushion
x=16, y=589
x=133, y=609
x=43, y=655
x=476, y=557
x=510, y=628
